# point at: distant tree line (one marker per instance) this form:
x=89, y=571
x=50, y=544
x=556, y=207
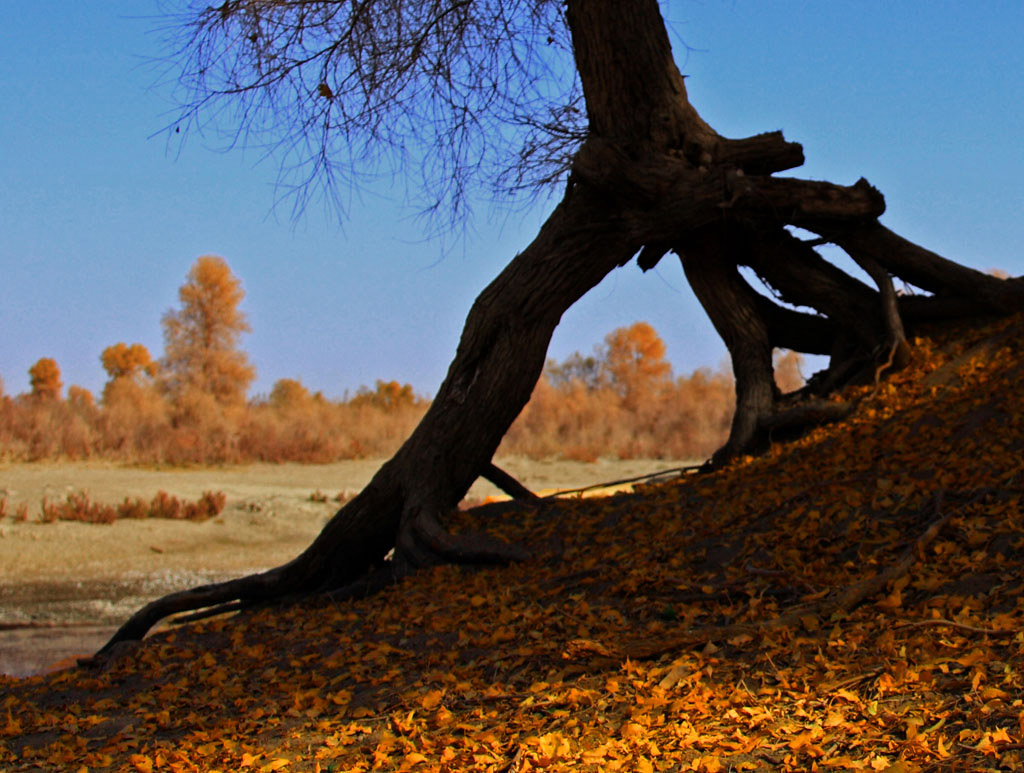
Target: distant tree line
x=190, y=406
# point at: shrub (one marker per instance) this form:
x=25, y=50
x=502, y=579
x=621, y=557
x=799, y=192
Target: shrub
x=77, y=506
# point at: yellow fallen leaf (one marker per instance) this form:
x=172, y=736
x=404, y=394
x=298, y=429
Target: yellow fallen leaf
x=673, y=677
x=990, y=693
x=275, y=765
x=431, y=699
x=413, y=758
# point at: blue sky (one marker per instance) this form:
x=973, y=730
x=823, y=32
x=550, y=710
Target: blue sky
x=100, y=219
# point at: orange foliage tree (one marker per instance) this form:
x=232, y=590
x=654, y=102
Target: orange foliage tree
x=387, y=395
x=623, y=401
x=129, y=370
x=45, y=379
x=201, y=339
x=636, y=363
x=124, y=361
x=289, y=394
x=134, y=416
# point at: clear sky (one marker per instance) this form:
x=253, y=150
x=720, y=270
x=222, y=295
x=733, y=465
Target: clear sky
x=100, y=220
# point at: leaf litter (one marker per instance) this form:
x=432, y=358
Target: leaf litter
x=850, y=601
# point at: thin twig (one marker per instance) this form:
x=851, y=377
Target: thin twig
x=647, y=476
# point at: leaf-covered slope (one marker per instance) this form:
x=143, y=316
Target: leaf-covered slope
x=851, y=601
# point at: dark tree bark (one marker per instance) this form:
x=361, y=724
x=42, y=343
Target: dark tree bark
x=650, y=178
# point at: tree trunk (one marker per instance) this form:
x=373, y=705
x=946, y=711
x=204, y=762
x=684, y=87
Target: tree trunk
x=735, y=311
x=499, y=360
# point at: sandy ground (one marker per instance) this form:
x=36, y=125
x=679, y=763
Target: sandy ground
x=64, y=587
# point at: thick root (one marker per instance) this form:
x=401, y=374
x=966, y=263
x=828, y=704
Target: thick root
x=424, y=542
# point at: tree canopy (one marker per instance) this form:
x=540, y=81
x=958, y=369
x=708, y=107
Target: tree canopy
x=44, y=377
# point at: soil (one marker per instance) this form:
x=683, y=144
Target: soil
x=65, y=587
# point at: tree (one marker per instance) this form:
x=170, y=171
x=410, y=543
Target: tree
x=124, y=361
x=387, y=396
x=289, y=394
x=81, y=398
x=44, y=378
x=201, y=354
x=587, y=370
x=644, y=176
x=125, y=365
x=636, y=362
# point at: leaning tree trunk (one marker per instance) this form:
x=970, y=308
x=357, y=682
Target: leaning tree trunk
x=652, y=177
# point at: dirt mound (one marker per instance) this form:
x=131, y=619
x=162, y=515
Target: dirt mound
x=851, y=601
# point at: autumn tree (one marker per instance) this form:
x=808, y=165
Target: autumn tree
x=202, y=358
x=387, y=396
x=635, y=361
x=128, y=361
x=44, y=378
x=579, y=93
x=289, y=394
x=126, y=365
x=81, y=398
x=585, y=369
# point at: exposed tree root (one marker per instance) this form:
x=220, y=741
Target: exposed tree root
x=494, y=474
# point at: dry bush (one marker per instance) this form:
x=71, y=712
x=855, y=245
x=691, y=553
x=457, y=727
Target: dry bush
x=77, y=506
x=164, y=506
x=292, y=425
x=788, y=367
x=133, y=509
x=209, y=504
x=135, y=421
x=81, y=400
x=37, y=428
x=203, y=431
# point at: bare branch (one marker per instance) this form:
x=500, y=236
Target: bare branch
x=470, y=96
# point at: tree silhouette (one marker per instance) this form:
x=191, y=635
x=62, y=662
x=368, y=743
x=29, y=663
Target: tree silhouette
x=44, y=377
x=454, y=86
x=201, y=339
